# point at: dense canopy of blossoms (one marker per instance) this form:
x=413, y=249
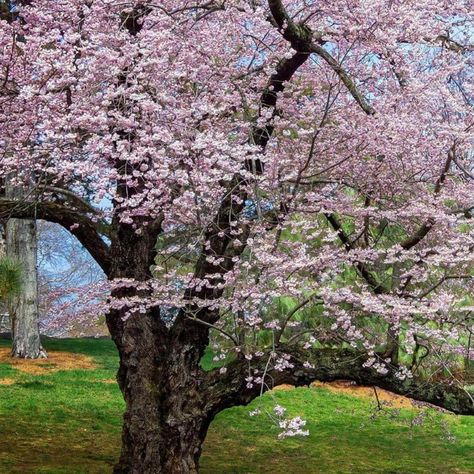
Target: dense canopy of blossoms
x=304, y=167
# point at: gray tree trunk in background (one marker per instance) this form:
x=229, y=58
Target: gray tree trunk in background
x=21, y=245
x=5, y=325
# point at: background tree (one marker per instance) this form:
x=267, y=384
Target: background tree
x=251, y=152
x=23, y=306
x=21, y=247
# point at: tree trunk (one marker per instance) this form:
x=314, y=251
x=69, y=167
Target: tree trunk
x=23, y=308
x=165, y=421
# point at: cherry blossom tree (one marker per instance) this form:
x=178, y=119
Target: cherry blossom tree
x=291, y=178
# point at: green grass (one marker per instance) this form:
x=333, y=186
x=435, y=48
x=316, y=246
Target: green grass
x=69, y=422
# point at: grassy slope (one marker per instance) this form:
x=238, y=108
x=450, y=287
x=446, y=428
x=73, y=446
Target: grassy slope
x=69, y=422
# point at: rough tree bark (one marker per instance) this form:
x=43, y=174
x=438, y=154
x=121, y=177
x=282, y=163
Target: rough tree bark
x=165, y=421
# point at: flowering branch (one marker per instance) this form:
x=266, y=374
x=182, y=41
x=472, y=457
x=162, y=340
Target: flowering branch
x=327, y=365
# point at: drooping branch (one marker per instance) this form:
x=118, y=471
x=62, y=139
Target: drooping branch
x=410, y=242
x=69, y=196
x=291, y=313
x=327, y=365
x=345, y=78
x=80, y=225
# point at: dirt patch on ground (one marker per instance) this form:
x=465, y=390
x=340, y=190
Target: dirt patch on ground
x=346, y=387
x=7, y=381
x=284, y=387
x=56, y=361
x=385, y=397
x=109, y=381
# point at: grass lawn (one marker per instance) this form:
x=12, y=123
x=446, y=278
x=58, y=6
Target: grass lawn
x=69, y=422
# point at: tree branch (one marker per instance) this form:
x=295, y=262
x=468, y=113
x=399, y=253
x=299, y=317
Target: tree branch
x=302, y=39
x=444, y=41
x=231, y=388
x=291, y=313
x=81, y=226
x=218, y=234
x=345, y=78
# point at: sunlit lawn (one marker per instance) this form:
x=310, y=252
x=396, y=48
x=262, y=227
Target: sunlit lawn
x=69, y=422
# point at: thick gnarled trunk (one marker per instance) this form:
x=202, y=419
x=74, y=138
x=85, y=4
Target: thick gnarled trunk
x=165, y=421
x=156, y=452
x=162, y=433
